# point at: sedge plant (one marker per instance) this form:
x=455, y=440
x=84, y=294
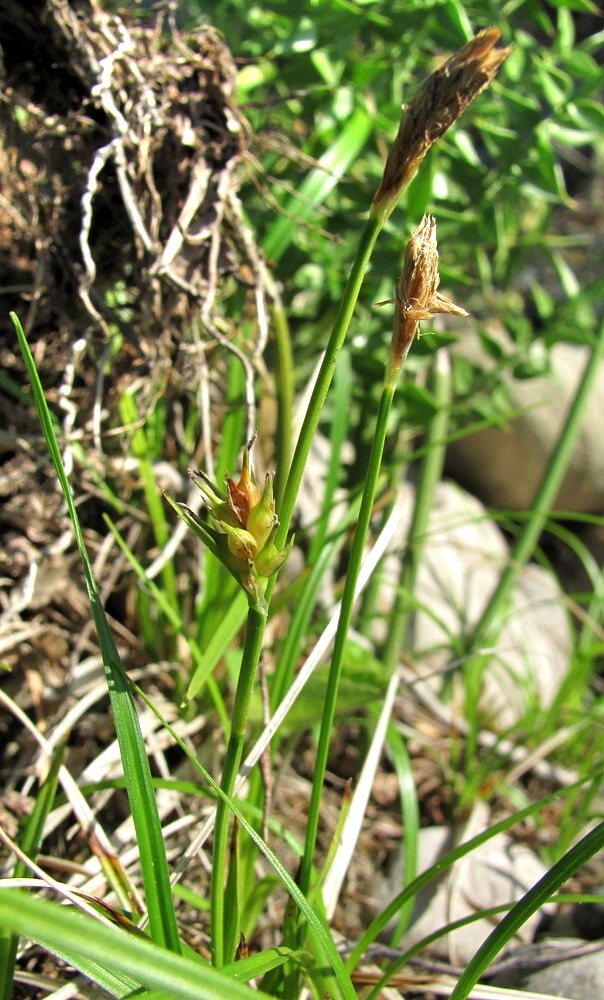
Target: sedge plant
x=253, y=552
x=245, y=534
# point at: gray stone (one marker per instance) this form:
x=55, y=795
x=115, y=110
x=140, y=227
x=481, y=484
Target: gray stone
x=504, y=465
x=463, y=557
x=499, y=871
x=576, y=978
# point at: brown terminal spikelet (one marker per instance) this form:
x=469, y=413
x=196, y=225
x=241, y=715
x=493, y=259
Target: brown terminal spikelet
x=436, y=105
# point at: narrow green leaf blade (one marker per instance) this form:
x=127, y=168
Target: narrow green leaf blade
x=259, y=964
x=85, y=942
x=525, y=907
x=314, y=190
x=156, y=881
x=316, y=924
x=30, y=844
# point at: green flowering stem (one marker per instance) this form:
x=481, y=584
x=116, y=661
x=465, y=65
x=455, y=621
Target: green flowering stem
x=416, y=298
x=240, y=532
x=335, y=670
x=352, y=574
x=428, y=479
x=284, y=383
x=342, y=322
x=439, y=102
x=257, y=614
x=443, y=96
x=254, y=632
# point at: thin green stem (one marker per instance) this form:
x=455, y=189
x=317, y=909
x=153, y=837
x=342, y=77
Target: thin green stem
x=338, y=334
x=485, y=630
x=356, y=554
x=292, y=927
x=370, y=599
x=256, y=616
x=340, y=404
x=254, y=633
x=428, y=480
x=143, y=453
x=284, y=381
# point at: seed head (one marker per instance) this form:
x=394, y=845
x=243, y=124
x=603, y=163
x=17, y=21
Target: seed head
x=436, y=105
x=416, y=295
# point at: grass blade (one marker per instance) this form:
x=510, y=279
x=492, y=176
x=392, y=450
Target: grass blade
x=314, y=190
x=410, y=891
x=30, y=845
x=525, y=907
x=130, y=959
x=545, y=497
x=316, y=926
x=162, y=919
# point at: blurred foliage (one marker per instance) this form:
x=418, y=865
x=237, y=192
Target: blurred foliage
x=507, y=184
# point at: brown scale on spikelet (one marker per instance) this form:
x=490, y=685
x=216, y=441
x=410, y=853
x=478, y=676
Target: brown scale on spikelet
x=436, y=105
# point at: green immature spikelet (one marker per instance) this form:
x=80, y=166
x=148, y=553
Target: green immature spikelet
x=262, y=518
x=242, y=528
x=270, y=560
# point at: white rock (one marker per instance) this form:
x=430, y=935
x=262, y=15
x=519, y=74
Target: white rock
x=463, y=557
x=556, y=973
x=498, y=872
